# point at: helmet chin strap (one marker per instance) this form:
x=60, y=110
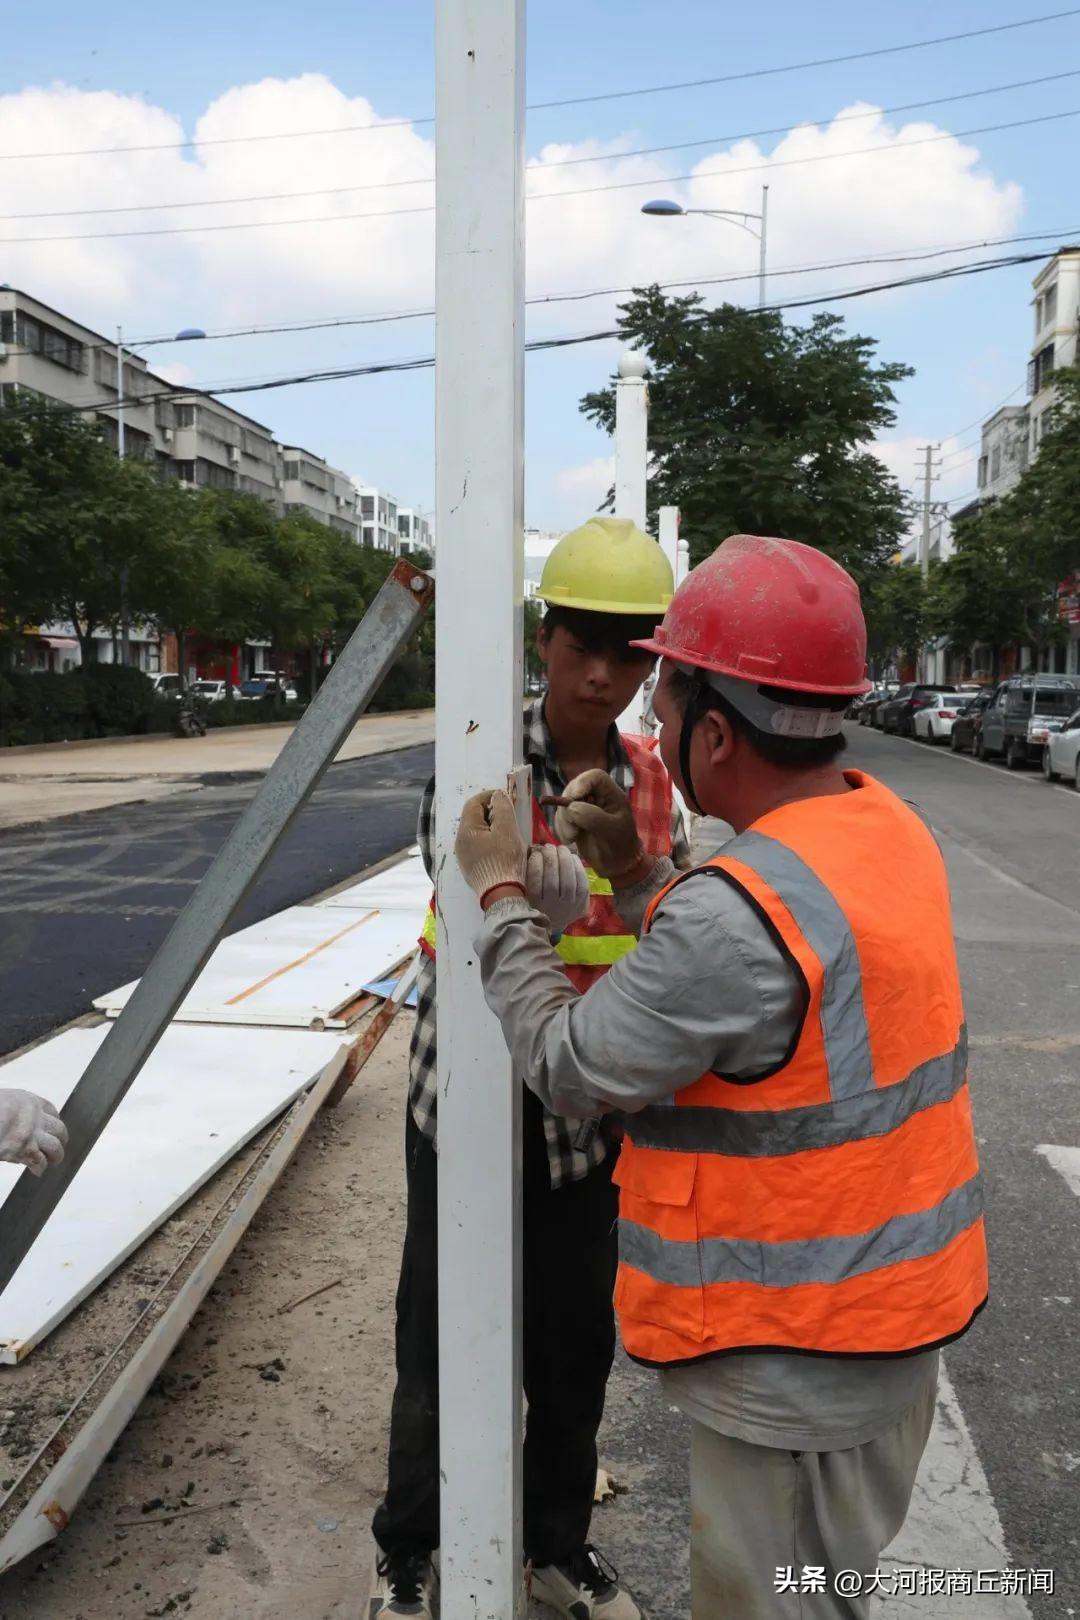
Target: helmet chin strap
x=690, y=718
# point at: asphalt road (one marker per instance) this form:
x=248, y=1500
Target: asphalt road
x=85, y=902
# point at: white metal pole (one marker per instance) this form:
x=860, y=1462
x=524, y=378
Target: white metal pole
x=682, y=567
x=764, y=235
x=631, y=460
x=631, y=438
x=480, y=80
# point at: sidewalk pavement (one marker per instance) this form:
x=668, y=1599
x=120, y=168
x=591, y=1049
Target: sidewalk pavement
x=39, y=784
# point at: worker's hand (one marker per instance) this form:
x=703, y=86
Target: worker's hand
x=31, y=1131
x=490, y=849
x=557, y=885
x=601, y=824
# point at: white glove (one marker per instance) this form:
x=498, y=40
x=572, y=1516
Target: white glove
x=556, y=884
x=31, y=1131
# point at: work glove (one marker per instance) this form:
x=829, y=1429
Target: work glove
x=600, y=822
x=557, y=885
x=489, y=847
x=31, y=1131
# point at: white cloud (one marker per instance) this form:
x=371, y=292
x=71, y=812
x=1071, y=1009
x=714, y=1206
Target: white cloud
x=859, y=200
x=588, y=484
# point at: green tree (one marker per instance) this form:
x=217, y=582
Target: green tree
x=897, y=607
x=759, y=427
x=72, y=518
x=1000, y=585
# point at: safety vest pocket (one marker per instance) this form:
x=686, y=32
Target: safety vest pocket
x=660, y=1279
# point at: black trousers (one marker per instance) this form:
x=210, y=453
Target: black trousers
x=569, y=1264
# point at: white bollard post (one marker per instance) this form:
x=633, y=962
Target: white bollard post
x=682, y=566
x=631, y=466
x=668, y=535
x=480, y=78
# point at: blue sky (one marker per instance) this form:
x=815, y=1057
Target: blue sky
x=126, y=75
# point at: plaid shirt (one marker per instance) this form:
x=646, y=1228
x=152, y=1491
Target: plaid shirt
x=565, y=1161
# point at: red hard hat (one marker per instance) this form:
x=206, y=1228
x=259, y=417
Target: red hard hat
x=770, y=611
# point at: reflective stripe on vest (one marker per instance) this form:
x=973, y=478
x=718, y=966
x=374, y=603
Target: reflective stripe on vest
x=771, y=1133
x=790, y=1265
x=594, y=950
x=429, y=932
x=825, y=929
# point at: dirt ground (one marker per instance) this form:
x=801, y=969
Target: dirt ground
x=266, y=1434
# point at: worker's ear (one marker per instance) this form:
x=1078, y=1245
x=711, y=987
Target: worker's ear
x=719, y=737
x=543, y=642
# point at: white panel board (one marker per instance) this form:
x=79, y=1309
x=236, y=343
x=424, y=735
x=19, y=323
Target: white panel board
x=202, y=1094
x=401, y=888
x=294, y=970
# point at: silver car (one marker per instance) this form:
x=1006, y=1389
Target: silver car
x=1061, y=753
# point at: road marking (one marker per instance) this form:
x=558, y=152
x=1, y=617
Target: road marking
x=952, y=1522
x=1066, y=1161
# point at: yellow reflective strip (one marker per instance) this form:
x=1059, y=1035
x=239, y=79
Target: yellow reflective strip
x=430, y=929
x=594, y=950
x=597, y=884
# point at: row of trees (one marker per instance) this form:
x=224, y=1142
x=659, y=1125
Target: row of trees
x=85, y=538
x=1001, y=586
x=759, y=427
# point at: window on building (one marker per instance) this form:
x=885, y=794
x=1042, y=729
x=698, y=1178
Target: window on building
x=1044, y=367
x=1038, y=316
x=1050, y=305
x=185, y=471
x=982, y=472
x=292, y=469
x=186, y=416
x=367, y=506
x=369, y=534
x=215, y=477
x=995, y=463
x=40, y=338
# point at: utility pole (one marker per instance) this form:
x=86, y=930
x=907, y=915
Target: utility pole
x=479, y=364
x=631, y=470
x=125, y=628
x=764, y=234
x=930, y=476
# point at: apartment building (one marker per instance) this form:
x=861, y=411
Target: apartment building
x=1056, y=308
x=414, y=532
x=1003, y=451
x=309, y=484
x=378, y=518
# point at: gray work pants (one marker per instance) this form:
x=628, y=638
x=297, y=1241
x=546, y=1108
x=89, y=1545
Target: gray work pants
x=756, y=1510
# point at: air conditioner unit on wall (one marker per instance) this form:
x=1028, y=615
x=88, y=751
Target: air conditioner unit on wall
x=234, y=455
x=167, y=435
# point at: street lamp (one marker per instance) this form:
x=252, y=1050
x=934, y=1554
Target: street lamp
x=181, y=337
x=665, y=208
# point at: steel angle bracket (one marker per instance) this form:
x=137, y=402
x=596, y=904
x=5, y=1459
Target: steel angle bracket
x=356, y=676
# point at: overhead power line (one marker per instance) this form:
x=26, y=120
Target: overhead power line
x=425, y=362
x=548, y=196
x=566, y=101
x=395, y=317
x=560, y=163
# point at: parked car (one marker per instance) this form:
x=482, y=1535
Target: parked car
x=265, y=686
x=1026, y=710
x=167, y=685
x=1061, y=752
x=878, y=701
x=965, y=728
x=898, y=714
x=863, y=708
x=213, y=691
x=933, y=722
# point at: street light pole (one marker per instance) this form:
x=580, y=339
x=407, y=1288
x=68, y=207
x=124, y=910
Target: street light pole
x=664, y=208
x=125, y=627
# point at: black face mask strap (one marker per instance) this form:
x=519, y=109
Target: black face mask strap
x=691, y=716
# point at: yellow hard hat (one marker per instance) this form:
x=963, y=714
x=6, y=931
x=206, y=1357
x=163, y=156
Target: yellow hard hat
x=608, y=566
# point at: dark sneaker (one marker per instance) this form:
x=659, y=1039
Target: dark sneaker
x=405, y=1583
x=585, y=1587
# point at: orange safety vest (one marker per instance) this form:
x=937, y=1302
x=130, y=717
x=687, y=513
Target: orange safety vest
x=834, y=1205
x=590, y=945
